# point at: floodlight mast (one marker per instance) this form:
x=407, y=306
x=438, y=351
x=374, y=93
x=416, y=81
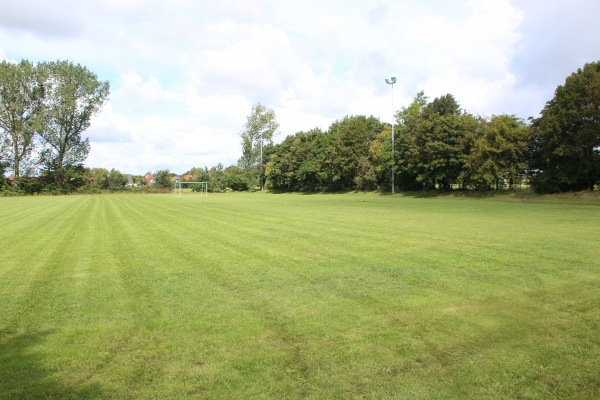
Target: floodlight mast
x=391, y=81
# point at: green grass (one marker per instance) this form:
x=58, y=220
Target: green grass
x=238, y=296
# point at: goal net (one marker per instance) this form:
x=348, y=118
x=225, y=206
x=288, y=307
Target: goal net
x=191, y=188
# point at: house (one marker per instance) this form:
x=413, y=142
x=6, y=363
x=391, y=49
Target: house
x=149, y=179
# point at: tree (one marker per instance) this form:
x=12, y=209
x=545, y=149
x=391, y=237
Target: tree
x=163, y=179
x=345, y=165
x=292, y=166
x=3, y=180
x=565, y=146
x=216, y=178
x=259, y=130
x=435, y=149
x=497, y=156
x=236, y=179
x=98, y=177
x=406, y=119
x=21, y=111
x=115, y=179
x=73, y=95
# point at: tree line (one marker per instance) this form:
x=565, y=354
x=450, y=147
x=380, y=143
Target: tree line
x=438, y=145
x=45, y=108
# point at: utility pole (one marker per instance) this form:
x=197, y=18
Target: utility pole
x=391, y=81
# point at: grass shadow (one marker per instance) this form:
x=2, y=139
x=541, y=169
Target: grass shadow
x=24, y=376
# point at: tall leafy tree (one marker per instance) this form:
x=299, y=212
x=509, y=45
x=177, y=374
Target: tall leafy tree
x=21, y=111
x=258, y=132
x=115, y=179
x=98, y=177
x=435, y=148
x=566, y=137
x=345, y=164
x=235, y=178
x=498, y=154
x=292, y=166
x=216, y=178
x=405, y=153
x=163, y=179
x=73, y=96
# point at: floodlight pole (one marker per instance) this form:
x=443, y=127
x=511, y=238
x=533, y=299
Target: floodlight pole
x=391, y=81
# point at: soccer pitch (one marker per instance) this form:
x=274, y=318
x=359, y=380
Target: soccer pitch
x=291, y=296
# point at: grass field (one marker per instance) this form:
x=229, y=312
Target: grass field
x=238, y=296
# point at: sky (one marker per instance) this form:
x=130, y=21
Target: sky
x=185, y=74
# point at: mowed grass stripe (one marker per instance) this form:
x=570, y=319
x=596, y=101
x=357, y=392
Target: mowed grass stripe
x=251, y=232
x=289, y=296
x=36, y=252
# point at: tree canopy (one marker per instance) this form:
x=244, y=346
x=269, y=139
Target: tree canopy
x=44, y=109
x=566, y=137
x=21, y=112
x=258, y=132
x=73, y=96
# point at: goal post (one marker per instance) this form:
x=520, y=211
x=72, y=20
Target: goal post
x=201, y=188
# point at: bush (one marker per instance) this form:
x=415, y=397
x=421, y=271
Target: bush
x=237, y=183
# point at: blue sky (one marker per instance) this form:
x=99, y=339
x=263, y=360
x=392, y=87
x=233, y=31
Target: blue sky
x=184, y=74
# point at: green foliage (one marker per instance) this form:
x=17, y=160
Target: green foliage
x=293, y=164
x=444, y=105
x=28, y=186
x=98, y=177
x=498, y=152
x=344, y=165
x=115, y=179
x=73, y=95
x=437, y=146
x=44, y=109
x=337, y=160
x=236, y=179
x=216, y=178
x=407, y=118
x=21, y=112
x=260, y=128
x=435, y=151
x=3, y=180
x=163, y=179
x=566, y=138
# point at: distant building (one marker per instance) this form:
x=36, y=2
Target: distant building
x=149, y=178
x=129, y=179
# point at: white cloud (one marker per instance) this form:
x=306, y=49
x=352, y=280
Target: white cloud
x=184, y=74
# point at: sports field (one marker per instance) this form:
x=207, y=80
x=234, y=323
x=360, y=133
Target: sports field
x=255, y=295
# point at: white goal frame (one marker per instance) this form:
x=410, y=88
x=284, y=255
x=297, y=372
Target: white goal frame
x=203, y=188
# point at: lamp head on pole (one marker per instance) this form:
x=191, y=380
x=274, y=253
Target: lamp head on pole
x=390, y=81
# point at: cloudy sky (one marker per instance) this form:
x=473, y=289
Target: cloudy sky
x=184, y=74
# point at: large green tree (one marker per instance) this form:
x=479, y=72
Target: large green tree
x=98, y=177
x=293, y=166
x=405, y=157
x=497, y=154
x=259, y=130
x=163, y=179
x=435, y=150
x=345, y=164
x=566, y=137
x=73, y=96
x=115, y=179
x=21, y=112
